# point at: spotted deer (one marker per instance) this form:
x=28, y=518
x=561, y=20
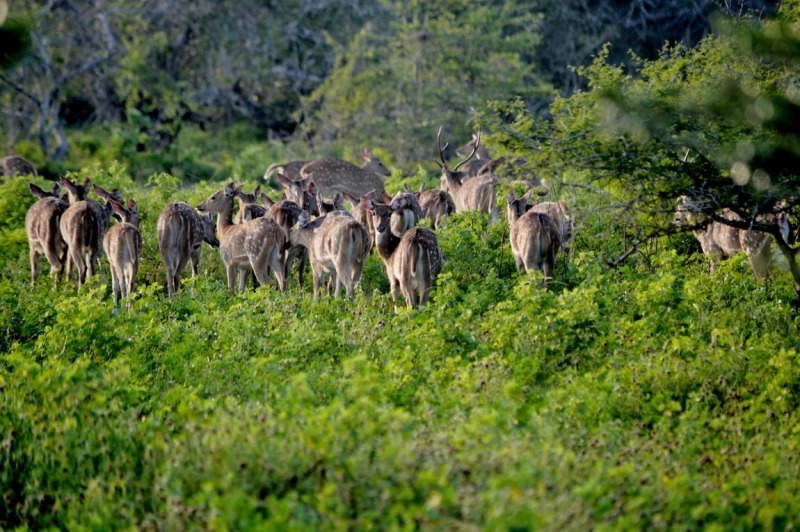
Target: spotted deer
x=123, y=247
x=476, y=194
x=333, y=175
x=13, y=165
x=720, y=241
x=181, y=233
x=286, y=213
x=560, y=214
x=257, y=245
x=436, y=205
x=249, y=201
x=362, y=215
x=291, y=170
x=83, y=226
x=44, y=234
x=303, y=193
x=337, y=245
x=412, y=261
x=325, y=206
x=403, y=219
x=534, y=237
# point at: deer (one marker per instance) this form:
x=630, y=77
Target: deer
x=337, y=245
x=181, y=233
x=534, y=237
x=291, y=170
x=560, y=214
x=13, y=165
x=326, y=206
x=44, y=234
x=286, y=213
x=482, y=163
x=123, y=246
x=412, y=261
x=303, y=193
x=256, y=211
x=407, y=217
x=436, y=205
x=477, y=194
x=83, y=226
x=256, y=245
x=720, y=241
x=332, y=175
x=363, y=216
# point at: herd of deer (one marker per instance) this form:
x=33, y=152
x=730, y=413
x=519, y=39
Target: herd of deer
x=267, y=238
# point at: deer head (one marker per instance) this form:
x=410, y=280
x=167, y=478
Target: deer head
x=39, y=193
x=76, y=192
x=373, y=164
x=453, y=178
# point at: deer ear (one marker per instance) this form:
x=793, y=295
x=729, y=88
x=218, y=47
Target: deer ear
x=367, y=203
x=421, y=188
x=86, y=183
x=230, y=190
x=405, y=188
x=266, y=201
x=511, y=197
x=283, y=196
x=353, y=201
x=303, y=219
x=36, y=191
x=257, y=190
x=337, y=199
x=386, y=198
x=118, y=209
x=131, y=204
x=99, y=191
x=312, y=188
x=285, y=183
x=563, y=206
x=366, y=154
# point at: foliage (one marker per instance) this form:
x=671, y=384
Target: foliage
x=648, y=396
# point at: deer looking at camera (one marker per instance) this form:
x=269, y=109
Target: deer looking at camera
x=333, y=175
x=44, y=234
x=476, y=194
x=123, y=247
x=436, y=205
x=256, y=245
x=248, y=202
x=337, y=245
x=412, y=262
x=534, y=236
x=83, y=226
x=181, y=233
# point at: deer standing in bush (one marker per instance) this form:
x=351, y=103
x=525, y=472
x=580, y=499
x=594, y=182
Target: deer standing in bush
x=248, y=202
x=333, y=175
x=476, y=194
x=412, y=262
x=256, y=245
x=560, y=214
x=181, y=233
x=123, y=247
x=436, y=205
x=337, y=245
x=44, y=234
x=534, y=237
x=83, y=226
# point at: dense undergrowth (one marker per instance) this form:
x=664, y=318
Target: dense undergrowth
x=650, y=396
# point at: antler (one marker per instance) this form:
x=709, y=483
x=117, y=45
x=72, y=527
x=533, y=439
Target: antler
x=441, y=150
x=475, y=144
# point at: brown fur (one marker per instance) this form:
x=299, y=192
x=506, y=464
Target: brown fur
x=123, y=247
x=181, y=232
x=44, y=233
x=534, y=237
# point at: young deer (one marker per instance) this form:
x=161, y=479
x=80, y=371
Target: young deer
x=286, y=213
x=303, y=193
x=44, y=234
x=325, y=206
x=534, y=237
x=255, y=211
x=561, y=215
x=412, y=262
x=336, y=245
x=257, y=244
x=83, y=226
x=332, y=175
x=362, y=215
x=477, y=194
x=13, y=165
x=436, y=205
x=181, y=232
x=403, y=219
x=123, y=246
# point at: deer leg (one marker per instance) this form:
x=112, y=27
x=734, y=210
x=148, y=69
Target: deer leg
x=76, y=256
x=277, y=267
x=301, y=266
x=34, y=265
x=230, y=270
x=317, y=278
x=242, y=280
x=409, y=294
x=115, y=285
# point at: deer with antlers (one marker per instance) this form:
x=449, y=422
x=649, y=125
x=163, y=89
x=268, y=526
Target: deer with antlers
x=476, y=194
x=337, y=245
x=436, y=205
x=123, y=246
x=181, y=233
x=44, y=234
x=534, y=236
x=83, y=226
x=333, y=175
x=412, y=261
x=256, y=245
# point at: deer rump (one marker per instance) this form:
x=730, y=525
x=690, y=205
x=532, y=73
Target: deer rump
x=416, y=264
x=535, y=240
x=340, y=248
x=43, y=226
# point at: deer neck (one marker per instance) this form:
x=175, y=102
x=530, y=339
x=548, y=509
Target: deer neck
x=225, y=217
x=386, y=243
x=301, y=236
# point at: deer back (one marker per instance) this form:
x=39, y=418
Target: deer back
x=82, y=227
x=436, y=205
x=181, y=232
x=559, y=213
x=534, y=238
x=42, y=225
x=291, y=170
x=13, y=165
x=332, y=175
